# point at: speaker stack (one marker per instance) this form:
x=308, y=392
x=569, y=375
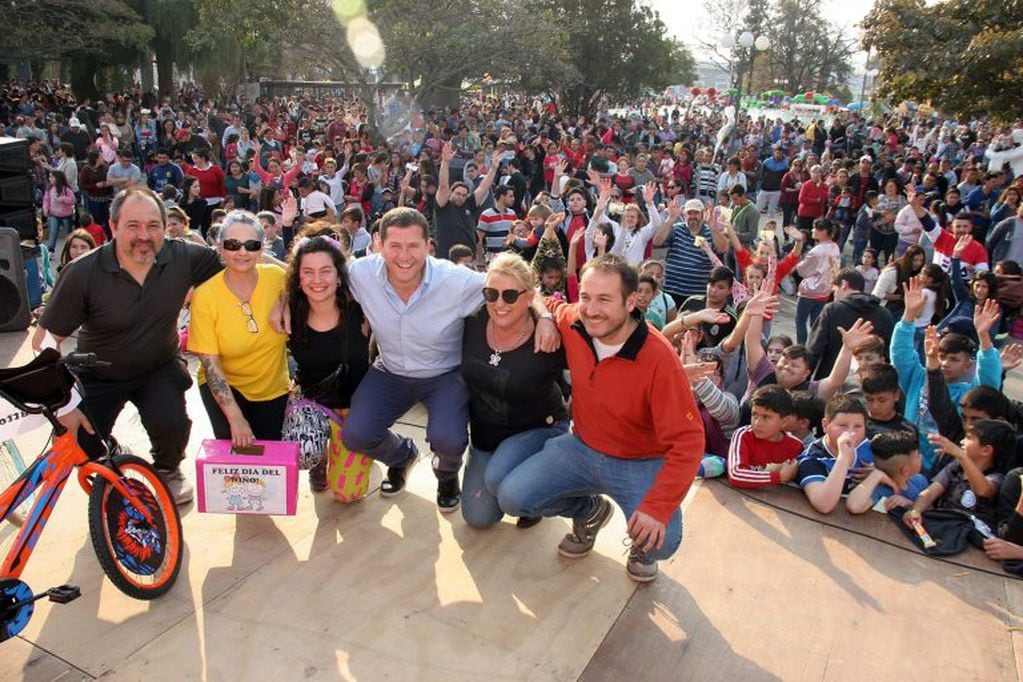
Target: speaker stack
x=17, y=223
x=16, y=195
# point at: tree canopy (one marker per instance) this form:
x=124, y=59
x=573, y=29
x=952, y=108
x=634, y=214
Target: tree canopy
x=807, y=51
x=966, y=57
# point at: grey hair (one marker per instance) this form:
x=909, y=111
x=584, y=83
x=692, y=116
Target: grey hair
x=239, y=216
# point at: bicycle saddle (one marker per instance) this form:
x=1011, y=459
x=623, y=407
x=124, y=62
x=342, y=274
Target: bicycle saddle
x=44, y=382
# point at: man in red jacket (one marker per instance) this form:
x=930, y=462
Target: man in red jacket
x=637, y=434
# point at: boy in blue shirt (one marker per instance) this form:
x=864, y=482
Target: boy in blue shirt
x=962, y=365
x=827, y=466
x=896, y=475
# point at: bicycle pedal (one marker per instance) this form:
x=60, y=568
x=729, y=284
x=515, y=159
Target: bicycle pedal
x=63, y=594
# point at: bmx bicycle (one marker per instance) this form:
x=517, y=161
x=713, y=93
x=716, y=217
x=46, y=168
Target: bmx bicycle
x=133, y=521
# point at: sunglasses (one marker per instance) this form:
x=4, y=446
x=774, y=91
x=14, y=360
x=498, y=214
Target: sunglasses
x=250, y=323
x=250, y=245
x=509, y=296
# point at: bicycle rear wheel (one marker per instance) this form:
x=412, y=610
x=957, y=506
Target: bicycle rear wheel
x=142, y=559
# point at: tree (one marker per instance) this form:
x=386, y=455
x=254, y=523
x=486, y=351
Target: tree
x=436, y=46
x=618, y=48
x=965, y=57
x=170, y=21
x=685, y=66
x=89, y=34
x=807, y=51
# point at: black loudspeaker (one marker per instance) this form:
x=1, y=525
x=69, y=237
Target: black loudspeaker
x=16, y=193
x=14, y=310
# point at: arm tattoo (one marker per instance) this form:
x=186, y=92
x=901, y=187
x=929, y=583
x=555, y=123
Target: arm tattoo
x=216, y=382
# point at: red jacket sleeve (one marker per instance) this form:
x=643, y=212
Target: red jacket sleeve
x=785, y=266
x=677, y=422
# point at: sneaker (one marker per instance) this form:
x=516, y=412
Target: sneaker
x=177, y=485
x=318, y=477
x=449, y=495
x=580, y=541
x=397, y=476
x=640, y=567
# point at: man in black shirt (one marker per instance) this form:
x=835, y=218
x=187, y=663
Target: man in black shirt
x=126, y=297
x=457, y=208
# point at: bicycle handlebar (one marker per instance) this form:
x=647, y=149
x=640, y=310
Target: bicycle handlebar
x=83, y=361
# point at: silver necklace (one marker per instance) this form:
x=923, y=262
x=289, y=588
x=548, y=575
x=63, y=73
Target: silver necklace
x=495, y=356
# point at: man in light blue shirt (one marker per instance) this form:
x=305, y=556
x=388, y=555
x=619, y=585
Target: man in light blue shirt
x=416, y=306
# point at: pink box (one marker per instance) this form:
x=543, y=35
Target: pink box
x=260, y=479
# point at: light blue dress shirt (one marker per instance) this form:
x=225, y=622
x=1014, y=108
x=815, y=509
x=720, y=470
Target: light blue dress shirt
x=422, y=338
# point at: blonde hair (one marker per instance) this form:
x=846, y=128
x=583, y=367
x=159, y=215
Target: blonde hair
x=539, y=211
x=511, y=265
x=640, y=218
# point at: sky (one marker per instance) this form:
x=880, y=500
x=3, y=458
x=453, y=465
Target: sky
x=686, y=19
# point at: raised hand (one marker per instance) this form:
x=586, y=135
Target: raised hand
x=559, y=168
x=961, y=245
x=945, y=446
x=674, y=210
x=289, y=209
x=794, y=233
x=699, y=371
x=711, y=316
x=761, y=303
x=984, y=317
x=1012, y=354
x=649, y=192
x=603, y=190
x=931, y=345
x=577, y=237
x=913, y=299
x=447, y=152
x=856, y=334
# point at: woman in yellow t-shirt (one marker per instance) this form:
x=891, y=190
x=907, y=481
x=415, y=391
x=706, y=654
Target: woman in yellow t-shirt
x=243, y=380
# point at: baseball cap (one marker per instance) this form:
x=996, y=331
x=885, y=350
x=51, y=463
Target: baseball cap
x=866, y=158
x=74, y=123
x=693, y=205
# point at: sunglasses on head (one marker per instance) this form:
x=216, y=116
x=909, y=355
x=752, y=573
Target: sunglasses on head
x=509, y=296
x=251, y=245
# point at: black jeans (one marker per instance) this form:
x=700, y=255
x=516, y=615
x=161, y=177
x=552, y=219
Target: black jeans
x=265, y=417
x=160, y=399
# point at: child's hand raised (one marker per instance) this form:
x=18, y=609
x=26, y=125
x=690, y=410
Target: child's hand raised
x=945, y=446
x=931, y=345
x=1011, y=354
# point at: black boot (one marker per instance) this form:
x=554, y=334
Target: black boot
x=449, y=495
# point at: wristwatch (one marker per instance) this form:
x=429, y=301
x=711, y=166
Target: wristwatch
x=545, y=316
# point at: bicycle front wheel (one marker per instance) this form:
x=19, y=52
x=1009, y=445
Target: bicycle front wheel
x=142, y=559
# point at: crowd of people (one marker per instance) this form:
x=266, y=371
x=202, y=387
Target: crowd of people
x=496, y=262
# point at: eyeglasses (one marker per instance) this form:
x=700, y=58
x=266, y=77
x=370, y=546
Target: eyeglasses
x=509, y=296
x=250, y=323
x=250, y=245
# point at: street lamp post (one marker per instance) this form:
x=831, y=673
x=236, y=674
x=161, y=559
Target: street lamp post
x=747, y=41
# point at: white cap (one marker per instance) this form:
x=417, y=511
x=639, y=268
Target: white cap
x=74, y=123
x=693, y=205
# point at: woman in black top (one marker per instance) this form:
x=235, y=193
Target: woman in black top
x=329, y=335
x=515, y=404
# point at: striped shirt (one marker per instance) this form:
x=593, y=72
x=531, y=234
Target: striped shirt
x=748, y=457
x=495, y=227
x=686, y=266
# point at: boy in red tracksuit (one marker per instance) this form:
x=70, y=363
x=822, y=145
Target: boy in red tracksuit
x=763, y=453
x=637, y=434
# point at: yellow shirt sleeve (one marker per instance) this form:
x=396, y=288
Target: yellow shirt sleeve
x=202, y=325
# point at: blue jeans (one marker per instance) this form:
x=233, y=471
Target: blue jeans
x=807, y=312
x=485, y=470
x=382, y=398
x=562, y=479
x=54, y=225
